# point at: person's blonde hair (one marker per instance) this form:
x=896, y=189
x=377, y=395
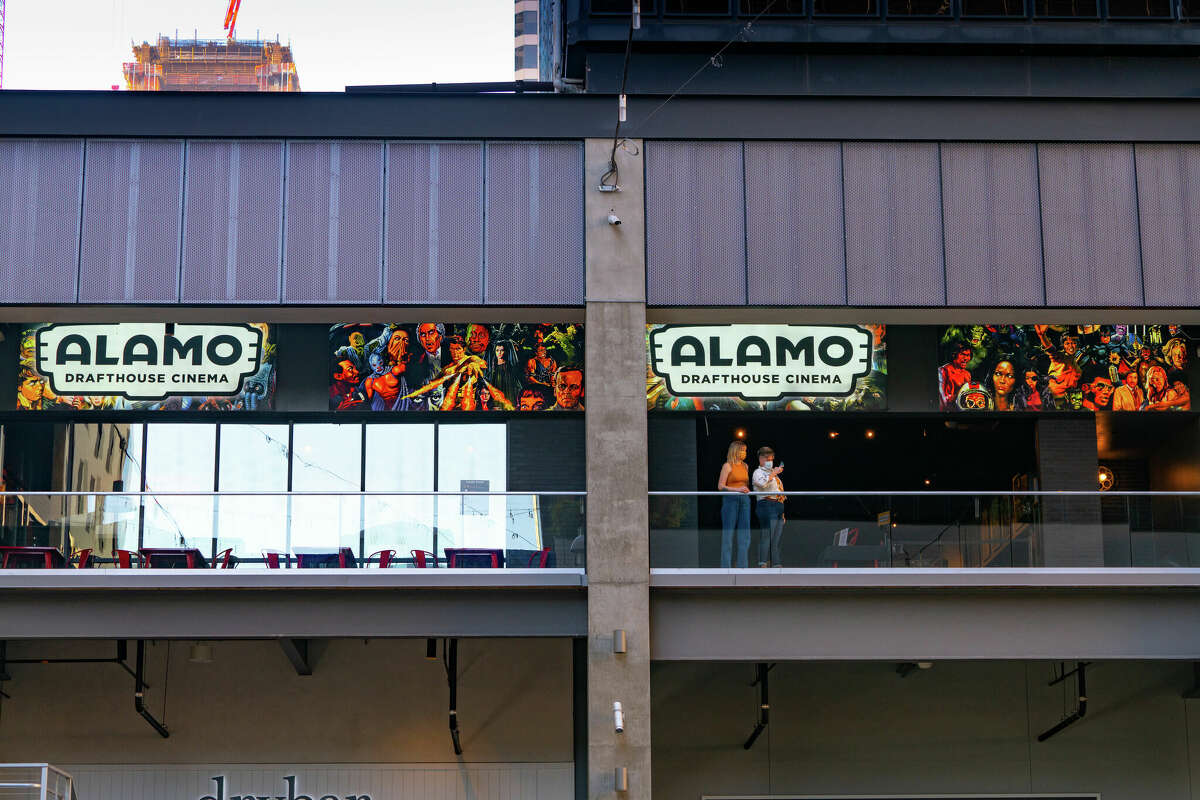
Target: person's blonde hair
x=731, y=453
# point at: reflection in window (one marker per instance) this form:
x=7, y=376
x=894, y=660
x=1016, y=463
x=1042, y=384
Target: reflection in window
x=1066, y=8
x=399, y=459
x=697, y=6
x=993, y=8
x=472, y=458
x=254, y=458
x=326, y=458
x=767, y=8
x=180, y=457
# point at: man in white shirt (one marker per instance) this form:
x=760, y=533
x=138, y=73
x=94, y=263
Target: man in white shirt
x=770, y=508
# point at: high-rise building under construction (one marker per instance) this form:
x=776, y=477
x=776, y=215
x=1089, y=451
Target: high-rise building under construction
x=197, y=65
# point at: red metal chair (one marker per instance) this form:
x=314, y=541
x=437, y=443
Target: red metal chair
x=224, y=559
x=542, y=558
x=385, y=558
x=423, y=559
x=272, y=559
x=125, y=559
x=84, y=557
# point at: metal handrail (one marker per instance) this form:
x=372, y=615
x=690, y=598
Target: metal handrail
x=236, y=493
x=914, y=493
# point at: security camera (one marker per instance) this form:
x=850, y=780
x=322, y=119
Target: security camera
x=618, y=717
x=613, y=219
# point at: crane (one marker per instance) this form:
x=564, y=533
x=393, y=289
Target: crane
x=230, y=19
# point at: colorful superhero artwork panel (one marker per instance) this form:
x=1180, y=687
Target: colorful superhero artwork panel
x=1065, y=368
x=146, y=366
x=766, y=367
x=442, y=366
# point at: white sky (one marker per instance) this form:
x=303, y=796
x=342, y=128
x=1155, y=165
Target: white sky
x=81, y=44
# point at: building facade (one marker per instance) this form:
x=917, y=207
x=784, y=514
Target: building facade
x=960, y=318
x=198, y=65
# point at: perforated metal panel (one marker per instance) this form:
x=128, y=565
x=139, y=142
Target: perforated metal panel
x=1168, y=181
x=334, y=246
x=993, y=225
x=1089, y=225
x=534, y=223
x=233, y=215
x=434, y=223
x=893, y=225
x=795, y=242
x=695, y=223
x=39, y=220
x=129, y=251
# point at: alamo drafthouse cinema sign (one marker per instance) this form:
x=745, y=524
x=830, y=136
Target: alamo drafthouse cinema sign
x=764, y=363
x=147, y=361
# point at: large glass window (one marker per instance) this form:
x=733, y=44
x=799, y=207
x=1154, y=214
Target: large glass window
x=326, y=458
x=399, y=459
x=277, y=463
x=254, y=458
x=180, y=457
x=472, y=458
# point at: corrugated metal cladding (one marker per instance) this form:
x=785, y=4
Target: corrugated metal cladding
x=795, y=241
x=1090, y=225
x=333, y=247
x=993, y=229
x=695, y=223
x=434, y=250
x=954, y=224
x=893, y=225
x=40, y=187
x=1168, y=179
x=262, y=222
x=534, y=221
x=129, y=250
x=233, y=212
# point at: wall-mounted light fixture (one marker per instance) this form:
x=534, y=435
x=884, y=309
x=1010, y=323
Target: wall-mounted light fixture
x=1106, y=478
x=200, y=653
x=619, y=643
x=621, y=779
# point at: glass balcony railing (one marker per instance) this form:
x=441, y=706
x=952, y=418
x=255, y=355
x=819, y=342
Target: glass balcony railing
x=926, y=529
x=293, y=529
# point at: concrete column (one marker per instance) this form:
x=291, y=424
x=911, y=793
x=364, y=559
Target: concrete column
x=618, y=565
x=1071, y=532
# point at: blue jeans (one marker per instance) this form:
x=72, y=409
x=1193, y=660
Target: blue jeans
x=735, y=516
x=770, y=522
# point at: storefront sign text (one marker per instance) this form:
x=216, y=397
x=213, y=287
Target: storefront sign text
x=821, y=366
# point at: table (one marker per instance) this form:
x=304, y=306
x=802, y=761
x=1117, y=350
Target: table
x=173, y=558
x=465, y=557
x=325, y=557
x=21, y=557
x=857, y=555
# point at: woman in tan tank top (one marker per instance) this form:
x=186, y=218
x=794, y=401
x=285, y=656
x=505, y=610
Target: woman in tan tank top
x=735, y=507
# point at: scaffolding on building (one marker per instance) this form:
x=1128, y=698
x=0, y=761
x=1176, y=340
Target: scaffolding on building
x=198, y=65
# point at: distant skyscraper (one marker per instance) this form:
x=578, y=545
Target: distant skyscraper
x=526, y=41
x=195, y=65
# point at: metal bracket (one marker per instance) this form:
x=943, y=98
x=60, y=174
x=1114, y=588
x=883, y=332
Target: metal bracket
x=1081, y=700
x=297, y=652
x=450, y=661
x=764, y=705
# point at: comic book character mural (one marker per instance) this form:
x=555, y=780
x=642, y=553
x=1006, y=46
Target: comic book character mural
x=866, y=391
x=147, y=367
x=1064, y=368
x=441, y=366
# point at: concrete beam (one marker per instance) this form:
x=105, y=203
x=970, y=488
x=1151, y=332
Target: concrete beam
x=299, y=613
x=924, y=625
